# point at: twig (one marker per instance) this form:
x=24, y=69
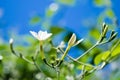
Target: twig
x=36, y=64
x=95, y=45
x=75, y=59
x=19, y=55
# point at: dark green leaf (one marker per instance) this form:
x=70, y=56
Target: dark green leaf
x=56, y=30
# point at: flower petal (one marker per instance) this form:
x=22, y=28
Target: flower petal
x=41, y=35
x=34, y=34
x=47, y=35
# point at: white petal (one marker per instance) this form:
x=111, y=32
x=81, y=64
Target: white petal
x=47, y=35
x=34, y=34
x=44, y=36
x=40, y=35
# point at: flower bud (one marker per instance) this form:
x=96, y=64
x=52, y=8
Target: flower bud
x=103, y=26
x=113, y=35
x=11, y=41
x=72, y=40
x=105, y=31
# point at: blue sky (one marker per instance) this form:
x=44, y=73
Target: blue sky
x=15, y=15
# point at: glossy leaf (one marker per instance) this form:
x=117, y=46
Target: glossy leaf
x=105, y=55
x=101, y=57
x=85, y=67
x=98, y=59
x=116, y=51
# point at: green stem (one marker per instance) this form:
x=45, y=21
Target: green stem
x=97, y=44
x=36, y=64
x=86, y=52
x=65, y=53
x=41, y=51
x=75, y=59
x=58, y=74
x=19, y=54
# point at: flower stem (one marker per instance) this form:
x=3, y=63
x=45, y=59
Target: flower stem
x=41, y=51
x=65, y=53
x=58, y=74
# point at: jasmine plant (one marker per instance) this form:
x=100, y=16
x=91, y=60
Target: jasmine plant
x=58, y=62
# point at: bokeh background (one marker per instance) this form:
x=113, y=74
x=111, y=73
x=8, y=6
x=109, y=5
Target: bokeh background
x=62, y=18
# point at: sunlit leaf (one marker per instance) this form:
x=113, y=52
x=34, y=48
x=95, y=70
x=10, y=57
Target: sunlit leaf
x=116, y=51
x=98, y=2
x=110, y=13
x=101, y=57
x=85, y=67
x=95, y=33
x=98, y=59
x=102, y=2
x=105, y=55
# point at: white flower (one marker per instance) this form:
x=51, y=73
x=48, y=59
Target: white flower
x=41, y=35
x=73, y=42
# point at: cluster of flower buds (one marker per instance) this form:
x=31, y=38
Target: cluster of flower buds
x=104, y=32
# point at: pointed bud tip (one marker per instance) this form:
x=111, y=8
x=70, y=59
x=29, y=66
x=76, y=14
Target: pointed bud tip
x=11, y=41
x=72, y=40
x=104, y=24
x=79, y=41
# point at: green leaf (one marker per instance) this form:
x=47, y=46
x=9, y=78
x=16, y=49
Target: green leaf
x=3, y=47
x=116, y=51
x=95, y=33
x=110, y=13
x=56, y=30
x=49, y=13
x=101, y=57
x=87, y=68
x=66, y=2
x=50, y=72
x=102, y=2
x=35, y=20
x=105, y=55
x=98, y=2
x=98, y=59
